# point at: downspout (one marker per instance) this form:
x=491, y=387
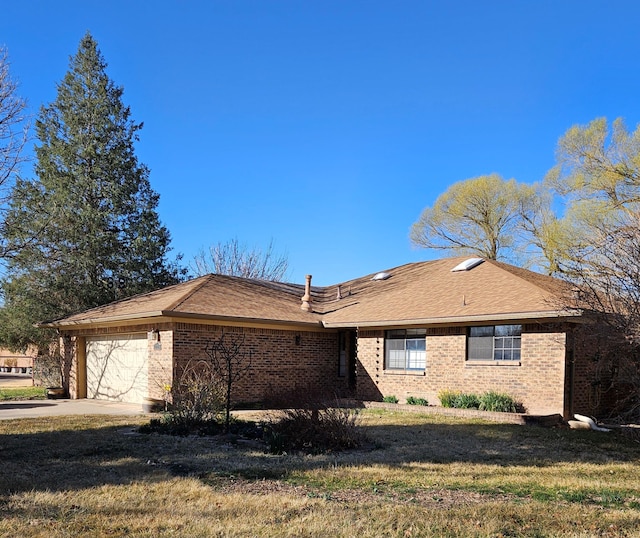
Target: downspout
x=571, y=372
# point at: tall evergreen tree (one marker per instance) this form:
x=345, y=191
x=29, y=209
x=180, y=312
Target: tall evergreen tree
x=89, y=219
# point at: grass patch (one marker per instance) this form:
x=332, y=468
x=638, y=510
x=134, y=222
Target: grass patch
x=23, y=393
x=419, y=475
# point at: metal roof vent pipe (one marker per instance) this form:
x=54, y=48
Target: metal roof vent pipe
x=306, y=298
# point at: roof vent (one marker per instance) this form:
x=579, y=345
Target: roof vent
x=306, y=298
x=381, y=276
x=467, y=265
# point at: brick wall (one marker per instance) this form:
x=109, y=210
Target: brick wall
x=282, y=361
x=537, y=381
x=285, y=360
x=161, y=364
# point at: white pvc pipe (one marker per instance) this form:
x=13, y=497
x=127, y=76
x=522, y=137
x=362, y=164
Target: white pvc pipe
x=591, y=423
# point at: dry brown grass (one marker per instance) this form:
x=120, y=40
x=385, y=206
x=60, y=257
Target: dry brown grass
x=420, y=476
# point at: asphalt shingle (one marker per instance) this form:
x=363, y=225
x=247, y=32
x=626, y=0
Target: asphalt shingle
x=424, y=292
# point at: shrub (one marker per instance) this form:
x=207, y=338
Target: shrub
x=412, y=400
x=466, y=401
x=496, y=401
x=198, y=403
x=448, y=397
x=313, y=430
x=390, y=399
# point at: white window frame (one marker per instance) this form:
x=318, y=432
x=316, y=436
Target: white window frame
x=405, y=350
x=494, y=343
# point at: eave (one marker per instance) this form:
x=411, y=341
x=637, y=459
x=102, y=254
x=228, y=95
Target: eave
x=572, y=315
x=168, y=316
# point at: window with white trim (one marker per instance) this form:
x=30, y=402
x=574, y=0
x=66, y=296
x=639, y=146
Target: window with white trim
x=494, y=343
x=405, y=349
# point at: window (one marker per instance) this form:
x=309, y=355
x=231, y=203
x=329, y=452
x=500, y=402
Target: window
x=494, y=343
x=405, y=349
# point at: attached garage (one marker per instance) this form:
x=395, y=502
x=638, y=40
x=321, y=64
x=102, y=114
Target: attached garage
x=117, y=367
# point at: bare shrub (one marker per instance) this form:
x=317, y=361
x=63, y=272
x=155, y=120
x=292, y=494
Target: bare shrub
x=314, y=430
x=198, y=397
x=313, y=423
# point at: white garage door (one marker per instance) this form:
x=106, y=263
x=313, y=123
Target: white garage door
x=117, y=368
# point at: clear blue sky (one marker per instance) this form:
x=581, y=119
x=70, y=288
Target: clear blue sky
x=328, y=125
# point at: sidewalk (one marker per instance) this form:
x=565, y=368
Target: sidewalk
x=49, y=408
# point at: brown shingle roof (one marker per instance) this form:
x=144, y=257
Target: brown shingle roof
x=429, y=292
x=424, y=292
x=210, y=296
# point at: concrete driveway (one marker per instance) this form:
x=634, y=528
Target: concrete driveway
x=49, y=408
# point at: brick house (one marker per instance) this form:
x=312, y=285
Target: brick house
x=460, y=324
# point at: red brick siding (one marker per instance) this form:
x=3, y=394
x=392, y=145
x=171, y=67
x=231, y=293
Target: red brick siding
x=537, y=381
x=282, y=361
x=161, y=365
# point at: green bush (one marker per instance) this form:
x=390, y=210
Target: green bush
x=390, y=399
x=466, y=401
x=412, y=400
x=448, y=397
x=489, y=401
x=496, y=401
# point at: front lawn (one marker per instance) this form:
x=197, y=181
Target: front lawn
x=23, y=393
x=418, y=475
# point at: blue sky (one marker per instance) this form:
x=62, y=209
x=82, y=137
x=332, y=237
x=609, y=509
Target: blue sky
x=326, y=125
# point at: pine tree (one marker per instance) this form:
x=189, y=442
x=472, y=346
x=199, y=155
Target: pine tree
x=87, y=227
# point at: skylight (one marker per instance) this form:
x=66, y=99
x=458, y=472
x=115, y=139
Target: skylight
x=467, y=265
x=381, y=276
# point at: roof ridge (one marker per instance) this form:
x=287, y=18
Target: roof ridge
x=183, y=298
x=533, y=278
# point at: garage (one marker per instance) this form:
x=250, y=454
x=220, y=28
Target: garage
x=117, y=368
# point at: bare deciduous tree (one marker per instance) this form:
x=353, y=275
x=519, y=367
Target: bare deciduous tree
x=13, y=125
x=230, y=361
x=598, y=174
x=237, y=259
